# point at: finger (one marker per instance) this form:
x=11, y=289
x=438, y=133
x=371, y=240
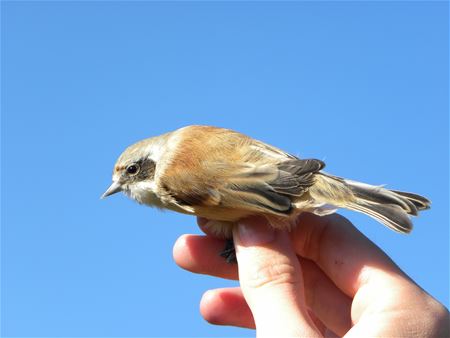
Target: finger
x=322, y=296
x=317, y=322
x=200, y=254
x=271, y=280
x=226, y=306
x=329, y=304
x=342, y=252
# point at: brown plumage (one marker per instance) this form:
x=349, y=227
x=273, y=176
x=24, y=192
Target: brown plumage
x=223, y=175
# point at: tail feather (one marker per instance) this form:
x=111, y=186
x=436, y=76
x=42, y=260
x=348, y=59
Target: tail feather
x=390, y=215
x=420, y=202
x=390, y=207
x=374, y=194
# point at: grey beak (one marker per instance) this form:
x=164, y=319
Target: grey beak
x=113, y=188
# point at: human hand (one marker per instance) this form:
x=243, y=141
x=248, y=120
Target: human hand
x=323, y=278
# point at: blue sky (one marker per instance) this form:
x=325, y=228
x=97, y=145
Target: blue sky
x=361, y=85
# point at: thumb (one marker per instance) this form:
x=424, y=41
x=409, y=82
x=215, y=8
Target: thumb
x=271, y=280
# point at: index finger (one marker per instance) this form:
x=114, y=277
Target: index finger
x=349, y=258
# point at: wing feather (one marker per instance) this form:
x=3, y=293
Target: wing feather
x=254, y=176
x=272, y=187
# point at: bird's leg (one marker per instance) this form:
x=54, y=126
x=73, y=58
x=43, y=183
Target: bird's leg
x=229, y=252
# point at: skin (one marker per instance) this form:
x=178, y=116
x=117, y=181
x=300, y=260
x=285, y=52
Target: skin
x=324, y=278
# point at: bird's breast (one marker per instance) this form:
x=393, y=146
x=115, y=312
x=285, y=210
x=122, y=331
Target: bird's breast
x=144, y=193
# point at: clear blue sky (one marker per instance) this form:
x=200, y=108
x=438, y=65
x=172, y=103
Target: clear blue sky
x=362, y=85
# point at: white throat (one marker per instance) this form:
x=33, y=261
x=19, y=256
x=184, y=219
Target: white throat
x=144, y=193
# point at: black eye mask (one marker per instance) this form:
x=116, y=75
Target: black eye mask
x=145, y=169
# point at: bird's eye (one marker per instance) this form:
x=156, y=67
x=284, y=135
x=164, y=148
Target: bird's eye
x=132, y=169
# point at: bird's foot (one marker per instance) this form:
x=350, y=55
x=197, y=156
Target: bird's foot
x=229, y=253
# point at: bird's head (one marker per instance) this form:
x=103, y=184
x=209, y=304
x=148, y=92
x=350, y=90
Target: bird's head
x=135, y=169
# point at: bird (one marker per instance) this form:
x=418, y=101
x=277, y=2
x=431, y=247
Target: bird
x=225, y=176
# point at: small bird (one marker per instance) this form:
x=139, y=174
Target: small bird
x=223, y=175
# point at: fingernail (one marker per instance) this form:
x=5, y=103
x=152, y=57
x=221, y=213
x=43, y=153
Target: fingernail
x=255, y=234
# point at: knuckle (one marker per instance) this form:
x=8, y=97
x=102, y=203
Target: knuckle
x=437, y=317
x=272, y=275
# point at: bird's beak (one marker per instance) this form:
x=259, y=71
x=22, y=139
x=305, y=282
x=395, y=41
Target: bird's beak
x=113, y=188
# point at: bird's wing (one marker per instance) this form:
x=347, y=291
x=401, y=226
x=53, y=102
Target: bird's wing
x=221, y=168
x=272, y=187
x=261, y=188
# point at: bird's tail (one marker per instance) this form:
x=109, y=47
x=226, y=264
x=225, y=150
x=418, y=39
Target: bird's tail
x=390, y=207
